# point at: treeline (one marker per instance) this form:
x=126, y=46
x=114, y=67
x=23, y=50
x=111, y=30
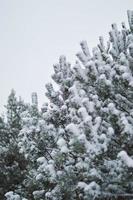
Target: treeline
x=79, y=146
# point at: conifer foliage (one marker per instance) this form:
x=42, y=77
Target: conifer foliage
x=12, y=162
x=80, y=145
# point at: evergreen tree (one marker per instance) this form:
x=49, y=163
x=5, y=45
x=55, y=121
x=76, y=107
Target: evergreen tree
x=12, y=163
x=80, y=145
x=13, y=117
x=93, y=115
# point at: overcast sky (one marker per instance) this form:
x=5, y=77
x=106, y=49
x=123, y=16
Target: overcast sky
x=34, y=33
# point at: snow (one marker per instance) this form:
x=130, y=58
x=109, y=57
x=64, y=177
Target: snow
x=82, y=57
x=62, y=145
x=94, y=173
x=130, y=46
x=113, y=109
x=127, y=126
x=110, y=131
x=88, y=119
x=39, y=177
x=82, y=185
x=85, y=48
x=41, y=160
x=82, y=111
x=72, y=128
x=12, y=196
x=96, y=125
x=38, y=193
x=80, y=72
x=91, y=106
x=126, y=76
x=91, y=189
x=82, y=137
x=123, y=68
x=126, y=159
x=64, y=149
x=131, y=83
x=61, y=142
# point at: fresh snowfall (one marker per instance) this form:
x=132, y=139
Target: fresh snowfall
x=79, y=145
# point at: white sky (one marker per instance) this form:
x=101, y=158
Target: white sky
x=34, y=33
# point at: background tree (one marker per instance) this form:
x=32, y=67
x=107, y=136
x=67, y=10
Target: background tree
x=12, y=163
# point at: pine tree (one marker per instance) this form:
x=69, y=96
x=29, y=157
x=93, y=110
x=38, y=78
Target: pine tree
x=93, y=115
x=12, y=163
x=80, y=145
x=36, y=139
x=13, y=118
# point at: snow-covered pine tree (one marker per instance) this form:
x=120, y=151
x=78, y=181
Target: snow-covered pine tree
x=12, y=162
x=36, y=139
x=93, y=115
x=13, y=116
x=56, y=116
